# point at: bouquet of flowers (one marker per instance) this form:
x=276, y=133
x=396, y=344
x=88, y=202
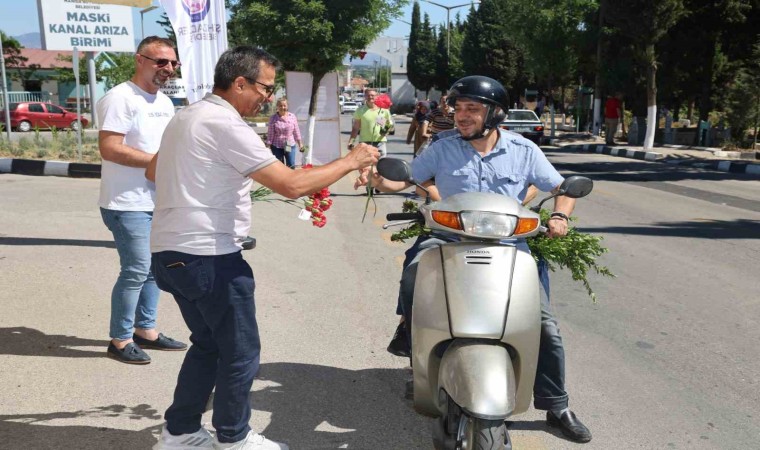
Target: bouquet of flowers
x=313, y=206
x=386, y=126
x=384, y=102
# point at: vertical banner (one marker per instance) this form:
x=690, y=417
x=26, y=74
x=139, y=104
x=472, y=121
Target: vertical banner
x=201, y=29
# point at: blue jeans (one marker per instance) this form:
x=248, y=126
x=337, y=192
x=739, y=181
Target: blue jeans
x=134, y=297
x=549, y=387
x=215, y=297
x=287, y=158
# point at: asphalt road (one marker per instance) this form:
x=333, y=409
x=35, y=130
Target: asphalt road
x=666, y=358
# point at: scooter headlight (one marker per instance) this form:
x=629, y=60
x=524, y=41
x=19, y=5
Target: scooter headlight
x=488, y=224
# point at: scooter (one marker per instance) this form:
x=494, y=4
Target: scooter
x=476, y=318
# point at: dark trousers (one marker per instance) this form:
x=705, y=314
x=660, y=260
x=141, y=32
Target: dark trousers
x=549, y=387
x=215, y=297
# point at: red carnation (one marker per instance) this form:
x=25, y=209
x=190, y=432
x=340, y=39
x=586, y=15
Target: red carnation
x=383, y=101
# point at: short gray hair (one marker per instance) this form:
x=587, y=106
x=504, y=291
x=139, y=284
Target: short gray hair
x=242, y=61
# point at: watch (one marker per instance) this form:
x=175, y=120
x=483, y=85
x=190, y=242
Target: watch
x=560, y=215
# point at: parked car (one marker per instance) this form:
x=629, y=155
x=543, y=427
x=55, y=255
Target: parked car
x=348, y=107
x=524, y=122
x=26, y=116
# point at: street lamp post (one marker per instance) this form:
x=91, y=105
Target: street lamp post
x=142, y=13
x=448, y=19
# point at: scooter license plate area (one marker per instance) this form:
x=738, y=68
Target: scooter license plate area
x=478, y=279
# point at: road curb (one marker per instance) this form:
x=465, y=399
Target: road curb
x=616, y=151
x=719, y=165
x=49, y=168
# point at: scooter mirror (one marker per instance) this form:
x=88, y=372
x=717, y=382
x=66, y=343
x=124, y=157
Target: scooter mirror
x=576, y=186
x=394, y=169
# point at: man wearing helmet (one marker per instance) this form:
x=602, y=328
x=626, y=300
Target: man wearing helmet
x=482, y=158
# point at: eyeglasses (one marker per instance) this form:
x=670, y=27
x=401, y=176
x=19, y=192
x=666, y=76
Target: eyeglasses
x=268, y=88
x=163, y=62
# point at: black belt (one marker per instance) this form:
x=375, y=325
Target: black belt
x=374, y=144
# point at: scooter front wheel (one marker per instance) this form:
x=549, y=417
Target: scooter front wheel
x=481, y=434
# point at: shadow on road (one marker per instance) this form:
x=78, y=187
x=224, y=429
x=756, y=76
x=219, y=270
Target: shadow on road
x=318, y=407
x=23, y=341
x=5, y=240
x=31, y=430
x=634, y=170
x=312, y=408
x=707, y=229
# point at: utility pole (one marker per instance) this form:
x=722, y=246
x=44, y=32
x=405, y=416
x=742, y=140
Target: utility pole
x=448, y=20
x=598, y=78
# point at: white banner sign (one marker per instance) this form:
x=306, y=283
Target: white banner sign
x=65, y=24
x=201, y=30
x=174, y=88
x=325, y=145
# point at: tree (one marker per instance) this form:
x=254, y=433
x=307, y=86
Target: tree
x=487, y=48
x=12, y=51
x=420, y=61
x=67, y=75
x=13, y=57
x=312, y=36
x=448, y=61
x=166, y=24
x=551, y=41
x=121, y=69
x=441, y=79
x=743, y=103
x=646, y=22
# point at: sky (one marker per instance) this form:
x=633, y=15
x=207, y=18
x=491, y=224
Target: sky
x=19, y=17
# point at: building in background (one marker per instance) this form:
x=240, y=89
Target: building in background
x=35, y=79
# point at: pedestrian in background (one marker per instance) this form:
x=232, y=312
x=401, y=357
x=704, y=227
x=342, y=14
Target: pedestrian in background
x=134, y=115
x=540, y=105
x=371, y=123
x=283, y=134
x=415, y=128
x=613, y=114
x=439, y=119
x=204, y=171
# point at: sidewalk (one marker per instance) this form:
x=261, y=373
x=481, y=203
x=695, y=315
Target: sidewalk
x=704, y=157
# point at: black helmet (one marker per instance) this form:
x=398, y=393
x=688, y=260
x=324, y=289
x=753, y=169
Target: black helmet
x=485, y=90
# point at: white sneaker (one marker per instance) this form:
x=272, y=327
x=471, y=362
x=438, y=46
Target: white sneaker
x=190, y=441
x=251, y=442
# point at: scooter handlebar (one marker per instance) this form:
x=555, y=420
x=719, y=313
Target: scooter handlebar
x=403, y=216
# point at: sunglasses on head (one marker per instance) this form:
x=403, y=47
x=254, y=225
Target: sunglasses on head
x=163, y=62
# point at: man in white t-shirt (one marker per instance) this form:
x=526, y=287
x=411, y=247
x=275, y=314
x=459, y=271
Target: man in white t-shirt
x=134, y=115
x=208, y=160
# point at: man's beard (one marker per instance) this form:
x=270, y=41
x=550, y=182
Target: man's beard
x=158, y=81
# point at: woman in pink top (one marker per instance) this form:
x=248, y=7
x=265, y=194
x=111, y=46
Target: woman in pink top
x=283, y=134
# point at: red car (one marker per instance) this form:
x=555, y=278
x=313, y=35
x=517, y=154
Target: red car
x=26, y=116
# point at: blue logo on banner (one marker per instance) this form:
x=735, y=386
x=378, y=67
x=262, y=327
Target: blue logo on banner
x=197, y=9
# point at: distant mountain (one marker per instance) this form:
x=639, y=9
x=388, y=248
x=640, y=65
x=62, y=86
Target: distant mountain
x=29, y=40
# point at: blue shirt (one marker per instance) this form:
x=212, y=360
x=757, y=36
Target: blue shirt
x=508, y=169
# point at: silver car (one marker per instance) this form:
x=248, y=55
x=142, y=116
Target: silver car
x=524, y=122
x=348, y=107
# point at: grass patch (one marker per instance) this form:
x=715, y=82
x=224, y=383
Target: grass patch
x=61, y=146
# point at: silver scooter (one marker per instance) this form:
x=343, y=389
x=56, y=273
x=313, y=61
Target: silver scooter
x=476, y=319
